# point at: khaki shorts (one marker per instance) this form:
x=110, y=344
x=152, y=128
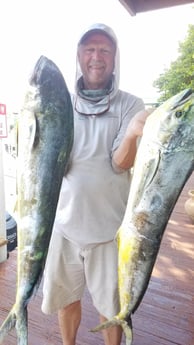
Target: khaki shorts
x=69, y=269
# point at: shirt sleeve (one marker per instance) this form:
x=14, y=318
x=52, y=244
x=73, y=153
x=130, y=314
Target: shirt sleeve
x=134, y=105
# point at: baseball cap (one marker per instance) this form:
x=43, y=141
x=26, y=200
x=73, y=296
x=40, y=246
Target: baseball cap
x=98, y=29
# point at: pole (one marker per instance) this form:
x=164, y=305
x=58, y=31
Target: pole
x=3, y=235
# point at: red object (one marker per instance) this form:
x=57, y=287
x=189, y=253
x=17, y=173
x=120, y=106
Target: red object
x=3, y=121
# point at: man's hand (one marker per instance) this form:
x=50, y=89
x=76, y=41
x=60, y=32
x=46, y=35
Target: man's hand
x=136, y=125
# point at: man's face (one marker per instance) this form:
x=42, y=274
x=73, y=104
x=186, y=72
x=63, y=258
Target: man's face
x=96, y=57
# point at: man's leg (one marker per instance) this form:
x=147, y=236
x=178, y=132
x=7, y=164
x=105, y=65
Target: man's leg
x=69, y=321
x=111, y=335
x=102, y=283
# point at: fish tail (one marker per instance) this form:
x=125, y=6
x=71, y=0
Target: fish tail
x=126, y=326
x=22, y=326
x=16, y=318
x=7, y=325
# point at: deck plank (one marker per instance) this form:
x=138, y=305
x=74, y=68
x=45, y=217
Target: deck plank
x=166, y=314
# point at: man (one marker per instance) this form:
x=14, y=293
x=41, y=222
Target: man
x=94, y=192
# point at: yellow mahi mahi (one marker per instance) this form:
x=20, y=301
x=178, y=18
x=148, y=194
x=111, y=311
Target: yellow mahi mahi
x=164, y=162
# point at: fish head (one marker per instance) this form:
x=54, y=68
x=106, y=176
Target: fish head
x=172, y=124
x=45, y=99
x=46, y=77
x=165, y=154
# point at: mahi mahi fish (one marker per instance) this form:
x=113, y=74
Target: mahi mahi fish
x=164, y=162
x=45, y=136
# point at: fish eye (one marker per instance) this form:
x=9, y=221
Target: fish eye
x=179, y=113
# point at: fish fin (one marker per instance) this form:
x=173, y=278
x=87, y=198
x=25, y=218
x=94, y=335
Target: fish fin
x=8, y=324
x=153, y=168
x=126, y=326
x=17, y=319
x=34, y=132
x=106, y=324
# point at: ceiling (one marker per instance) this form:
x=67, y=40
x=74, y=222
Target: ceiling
x=136, y=6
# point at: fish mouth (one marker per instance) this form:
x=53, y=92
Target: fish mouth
x=182, y=99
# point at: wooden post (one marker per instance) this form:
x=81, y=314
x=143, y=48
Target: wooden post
x=3, y=235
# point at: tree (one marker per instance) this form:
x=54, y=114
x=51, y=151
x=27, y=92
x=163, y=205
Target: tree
x=180, y=74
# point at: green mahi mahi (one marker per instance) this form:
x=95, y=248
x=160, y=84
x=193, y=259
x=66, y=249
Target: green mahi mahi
x=164, y=162
x=45, y=139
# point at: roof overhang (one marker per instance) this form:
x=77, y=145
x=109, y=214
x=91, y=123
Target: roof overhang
x=137, y=6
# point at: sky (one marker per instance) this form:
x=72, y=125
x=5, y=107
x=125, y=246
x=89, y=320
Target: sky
x=148, y=42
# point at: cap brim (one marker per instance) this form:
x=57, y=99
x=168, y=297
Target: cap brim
x=95, y=31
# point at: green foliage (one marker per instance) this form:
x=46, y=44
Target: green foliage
x=180, y=74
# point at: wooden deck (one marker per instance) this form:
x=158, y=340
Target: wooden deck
x=166, y=314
